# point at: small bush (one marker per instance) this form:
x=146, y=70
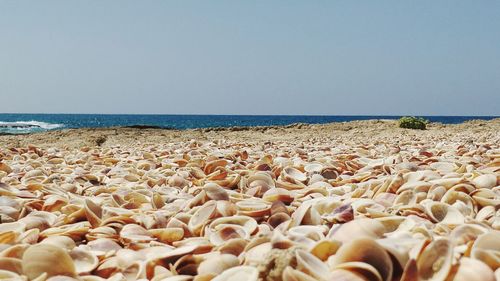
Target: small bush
x=413, y=123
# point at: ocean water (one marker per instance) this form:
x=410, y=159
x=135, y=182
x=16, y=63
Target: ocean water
x=27, y=123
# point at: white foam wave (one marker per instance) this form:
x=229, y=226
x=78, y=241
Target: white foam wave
x=27, y=126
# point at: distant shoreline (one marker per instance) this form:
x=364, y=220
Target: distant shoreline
x=365, y=131
x=141, y=127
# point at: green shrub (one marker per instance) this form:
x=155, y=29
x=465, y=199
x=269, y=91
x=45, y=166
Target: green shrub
x=413, y=123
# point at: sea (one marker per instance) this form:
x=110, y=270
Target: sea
x=29, y=123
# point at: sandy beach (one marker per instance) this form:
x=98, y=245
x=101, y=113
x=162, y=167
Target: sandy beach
x=361, y=200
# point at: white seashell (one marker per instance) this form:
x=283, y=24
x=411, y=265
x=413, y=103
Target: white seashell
x=485, y=181
x=242, y=272
x=473, y=270
x=487, y=249
x=435, y=261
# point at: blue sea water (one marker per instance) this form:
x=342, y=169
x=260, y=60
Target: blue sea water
x=26, y=123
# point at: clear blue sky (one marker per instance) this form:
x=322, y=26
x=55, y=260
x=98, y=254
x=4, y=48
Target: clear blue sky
x=251, y=57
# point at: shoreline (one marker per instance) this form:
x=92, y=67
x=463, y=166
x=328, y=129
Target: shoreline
x=44, y=125
x=364, y=131
x=244, y=128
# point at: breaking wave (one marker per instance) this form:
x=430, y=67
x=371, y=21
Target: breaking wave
x=27, y=126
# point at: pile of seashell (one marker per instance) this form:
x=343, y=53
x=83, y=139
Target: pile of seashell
x=227, y=211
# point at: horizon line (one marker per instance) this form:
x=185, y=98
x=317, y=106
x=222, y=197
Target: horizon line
x=208, y=114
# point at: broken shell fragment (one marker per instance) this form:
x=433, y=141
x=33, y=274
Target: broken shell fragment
x=42, y=258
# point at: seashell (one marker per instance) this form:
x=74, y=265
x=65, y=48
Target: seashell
x=129, y=177
x=63, y=242
x=311, y=265
x=255, y=254
x=364, y=270
x=485, y=197
x=311, y=232
x=5, y=168
x=398, y=248
x=253, y=208
x=289, y=185
x=177, y=181
x=8, y=237
x=135, y=271
x=212, y=165
x=7, y=211
x=215, y=192
x=293, y=175
x=168, y=235
x=443, y=167
x=434, y=263
x=103, y=246
x=290, y=274
x=391, y=223
x=279, y=241
x=465, y=233
x=102, y=232
x=84, y=261
x=10, y=276
x=133, y=233
x=202, y=216
x=485, y=214
x=234, y=246
x=13, y=228
x=460, y=199
x=278, y=218
x=9, y=202
x=41, y=258
x=178, y=278
x=447, y=182
x=278, y=194
x=329, y=173
x=61, y=278
x=343, y=274
x=444, y=213
x=415, y=186
x=15, y=251
x=229, y=182
x=325, y=248
x=280, y=161
x=487, y=181
x=157, y=201
x=316, y=178
x=367, y=251
x=306, y=215
x=341, y=214
x=260, y=179
x=93, y=213
x=241, y=272
x=186, y=265
x=226, y=228
x=54, y=203
x=11, y=264
x=214, y=266
x=359, y=228
x=473, y=270
x=227, y=232
x=313, y=168
x=487, y=249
